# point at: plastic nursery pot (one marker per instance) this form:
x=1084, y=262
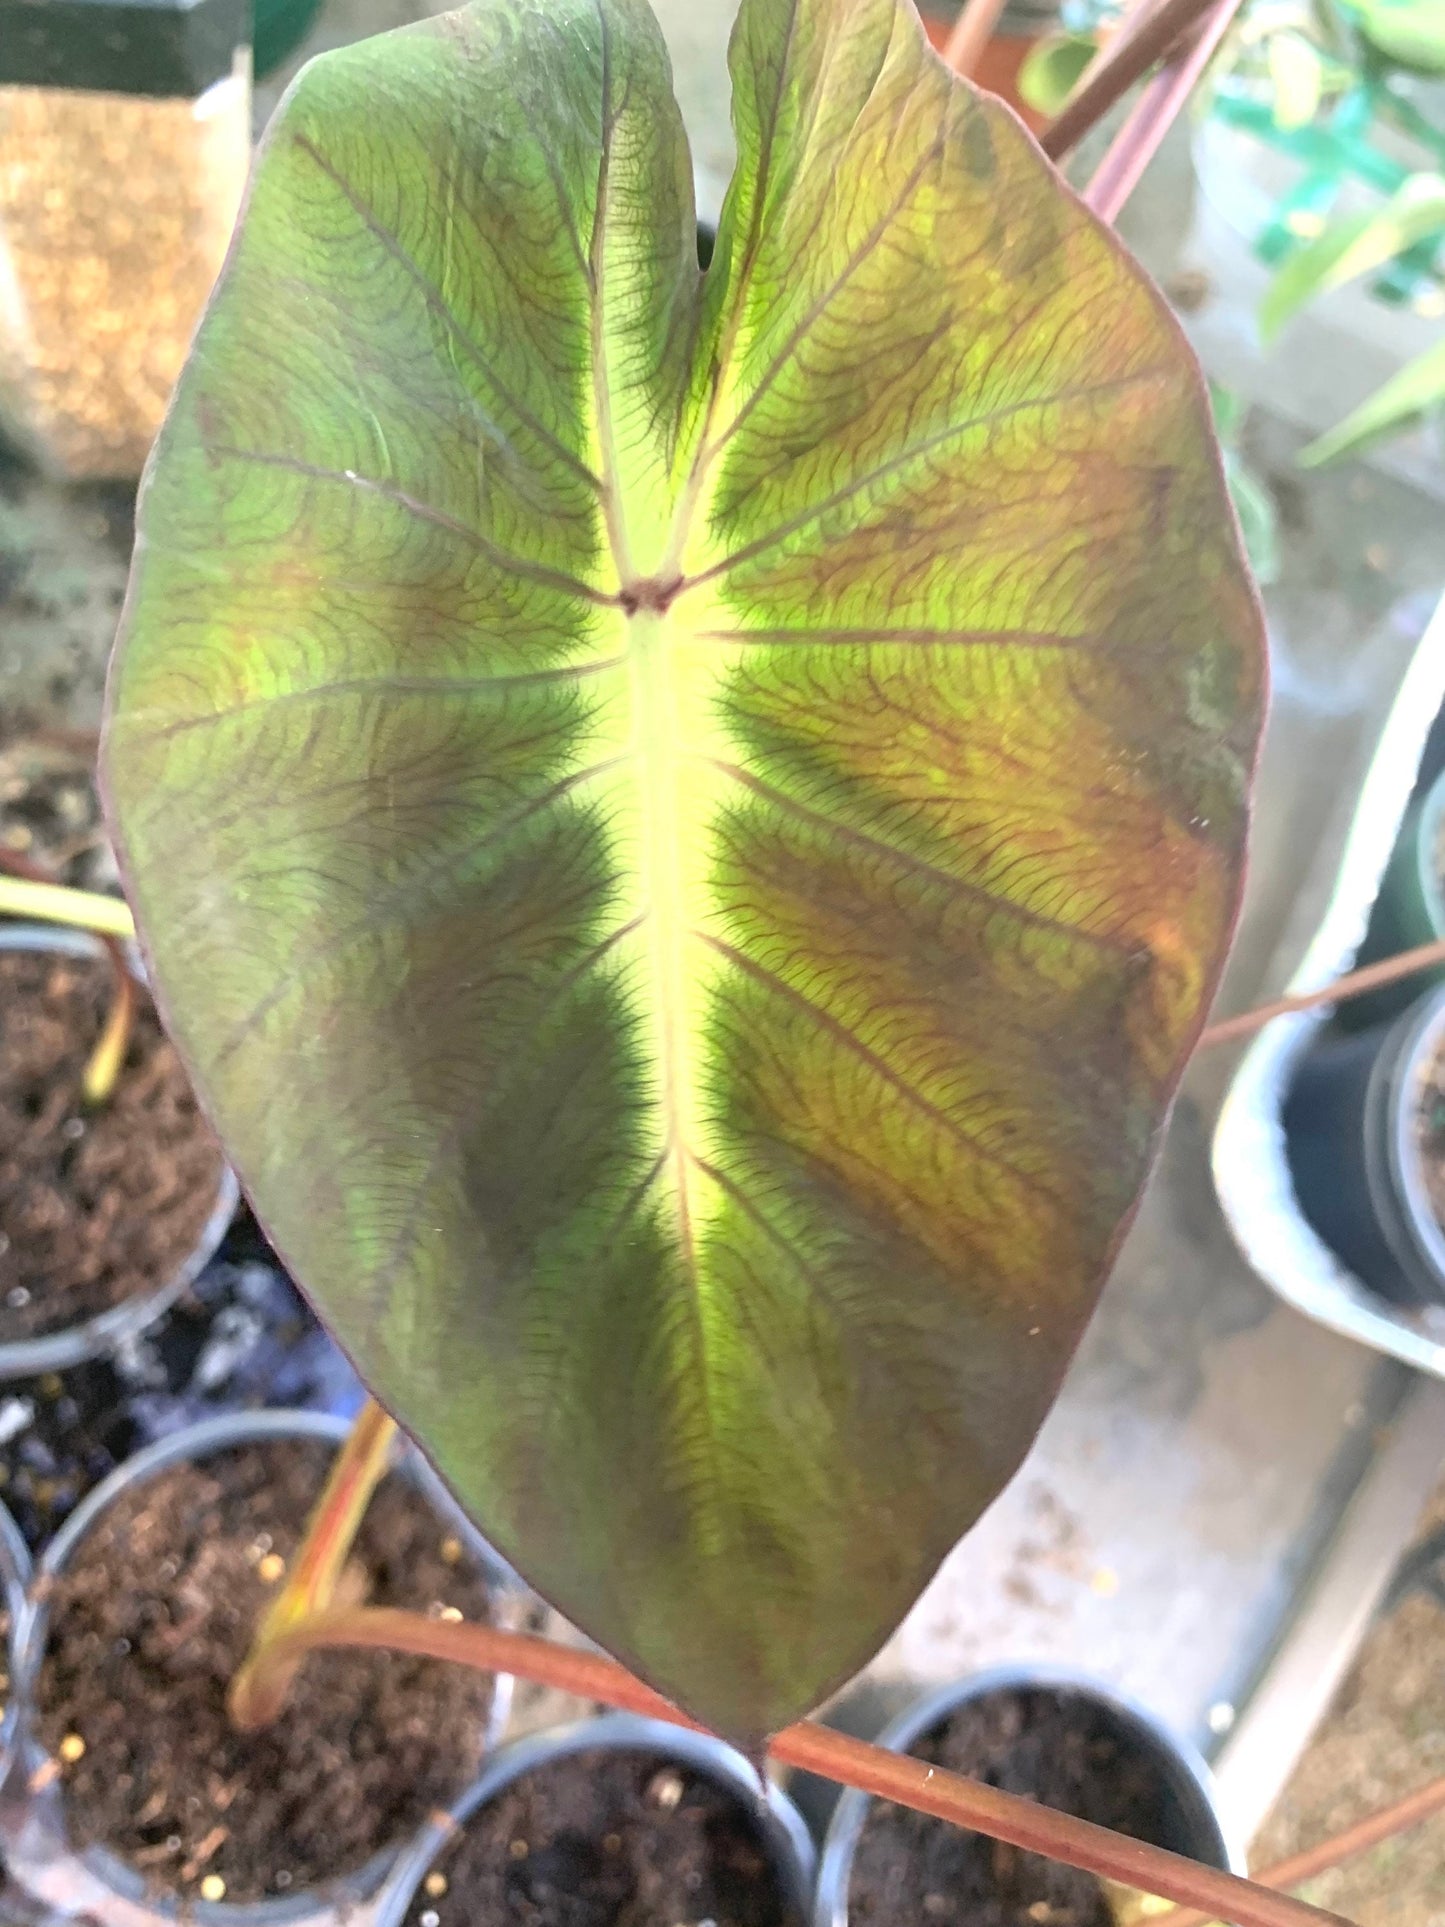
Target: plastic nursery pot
x=1352, y=1130
x=1410, y=909
x=14, y=1580
x=109, y=1329
x=95, y=1882
x=279, y=27
x=1188, y=1819
x=781, y=1831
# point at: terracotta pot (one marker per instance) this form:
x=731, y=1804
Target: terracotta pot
x=998, y=71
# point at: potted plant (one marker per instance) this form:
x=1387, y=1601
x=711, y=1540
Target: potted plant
x=686, y=822
x=1324, y=147
x=1040, y=1731
x=144, y=1605
x=113, y=1189
x=1365, y=1131
x=617, y=1818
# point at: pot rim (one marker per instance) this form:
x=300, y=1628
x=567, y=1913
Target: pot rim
x=789, y=1843
x=1408, y=1045
x=195, y=1442
x=1188, y=1773
x=108, y=1330
x=16, y=1566
x=1425, y=833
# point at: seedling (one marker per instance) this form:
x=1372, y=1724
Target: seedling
x=27, y=890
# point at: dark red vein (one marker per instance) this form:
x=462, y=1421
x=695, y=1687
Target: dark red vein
x=957, y=886
x=380, y=915
x=930, y=638
x=424, y=512
x=439, y=306
x=381, y=686
x=809, y=321
x=880, y=1066
x=1063, y=396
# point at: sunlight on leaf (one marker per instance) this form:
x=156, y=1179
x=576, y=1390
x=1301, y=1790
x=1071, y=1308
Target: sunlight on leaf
x=687, y=824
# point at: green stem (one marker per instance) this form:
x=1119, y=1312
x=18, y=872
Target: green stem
x=106, y=1060
x=35, y=887
x=55, y=903
x=817, y=1749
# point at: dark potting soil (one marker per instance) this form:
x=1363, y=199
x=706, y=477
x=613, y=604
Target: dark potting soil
x=1058, y=1749
x=605, y=1839
x=147, y=1627
x=238, y=1339
x=1430, y=1133
x=95, y=1205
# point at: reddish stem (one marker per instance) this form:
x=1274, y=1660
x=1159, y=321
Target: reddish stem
x=972, y=32
x=1374, y=976
x=260, y=1688
x=1383, y=1824
x=1128, y=58
x=889, y=1776
x=1155, y=112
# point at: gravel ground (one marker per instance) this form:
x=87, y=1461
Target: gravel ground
x=1384, y=1737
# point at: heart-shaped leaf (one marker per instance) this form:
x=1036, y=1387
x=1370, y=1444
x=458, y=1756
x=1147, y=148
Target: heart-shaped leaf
x=686, y=823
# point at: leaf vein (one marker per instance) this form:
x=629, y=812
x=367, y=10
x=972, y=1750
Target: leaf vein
x=439, y=306
x=424, y=512
x=369, y=685
x=959, y=886
x=380, y=915
x=884, y=470
x=881, y=1068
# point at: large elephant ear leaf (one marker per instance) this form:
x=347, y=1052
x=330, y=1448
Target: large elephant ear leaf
x=686, y=824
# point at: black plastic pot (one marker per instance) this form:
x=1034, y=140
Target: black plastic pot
x=1351, y=1129
x=1191, y=1820
x=781, y=1828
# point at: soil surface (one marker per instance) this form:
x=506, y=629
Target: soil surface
x=605, y=1839
x=911, y=1871
x=95, y=1205
x=147, y=1628
x=238, y=1339
x=1430, y=1133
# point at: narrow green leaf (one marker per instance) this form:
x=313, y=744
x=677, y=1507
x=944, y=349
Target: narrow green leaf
x=687, y=824
x=1053, y=67
x=1411, y=32
x=1354, y=245
x=1418, y=387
